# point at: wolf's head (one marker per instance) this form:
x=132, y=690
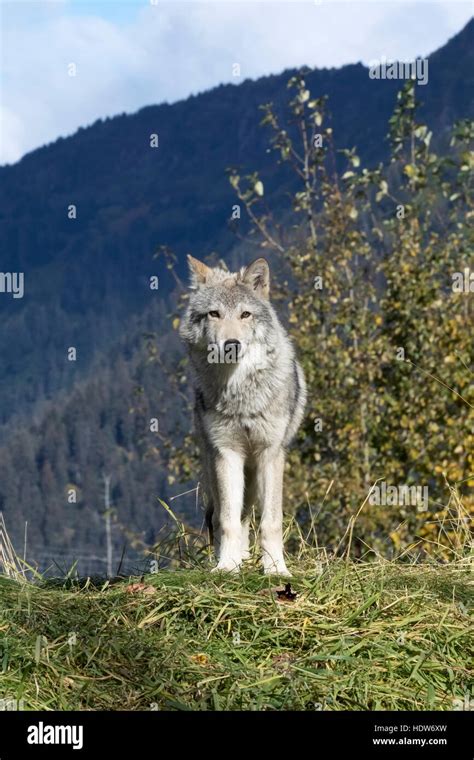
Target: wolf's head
x=229, y=312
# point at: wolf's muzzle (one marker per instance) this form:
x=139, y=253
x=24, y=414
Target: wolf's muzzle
x=232, y=342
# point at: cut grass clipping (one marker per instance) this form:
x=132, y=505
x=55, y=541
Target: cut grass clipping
x=357, y=636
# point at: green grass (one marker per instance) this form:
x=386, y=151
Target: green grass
x=367, y=636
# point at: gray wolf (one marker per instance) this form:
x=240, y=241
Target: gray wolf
x=250, y=395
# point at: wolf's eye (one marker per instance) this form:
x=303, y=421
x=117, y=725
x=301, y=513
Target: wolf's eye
x=245, y=315
x=214, y=314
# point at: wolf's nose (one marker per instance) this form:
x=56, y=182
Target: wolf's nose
x=232, y=342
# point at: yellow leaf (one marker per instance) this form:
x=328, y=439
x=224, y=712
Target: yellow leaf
x=395, y=538
x=201, y=659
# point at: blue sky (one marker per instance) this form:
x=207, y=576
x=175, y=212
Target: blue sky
x=135, y=53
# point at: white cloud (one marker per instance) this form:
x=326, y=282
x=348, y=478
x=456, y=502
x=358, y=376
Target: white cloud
x=170, y=50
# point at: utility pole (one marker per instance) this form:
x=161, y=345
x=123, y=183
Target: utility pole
x=108, y=525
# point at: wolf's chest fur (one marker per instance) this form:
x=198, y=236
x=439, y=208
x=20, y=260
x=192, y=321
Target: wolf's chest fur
x=248, y=433
x=250, y=409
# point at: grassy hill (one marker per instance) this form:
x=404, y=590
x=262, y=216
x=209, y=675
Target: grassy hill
x=358, y=636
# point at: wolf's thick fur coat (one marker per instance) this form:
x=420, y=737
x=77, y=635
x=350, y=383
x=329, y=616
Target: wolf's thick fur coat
x=246, y=411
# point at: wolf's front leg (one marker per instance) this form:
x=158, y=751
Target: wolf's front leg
x=270, y=483
x=229, y=469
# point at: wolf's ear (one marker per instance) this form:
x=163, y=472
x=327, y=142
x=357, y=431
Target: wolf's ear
x=257, y=277
x=198, y=271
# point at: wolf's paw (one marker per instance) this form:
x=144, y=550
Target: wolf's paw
x=276, y=568
x=226, y=566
